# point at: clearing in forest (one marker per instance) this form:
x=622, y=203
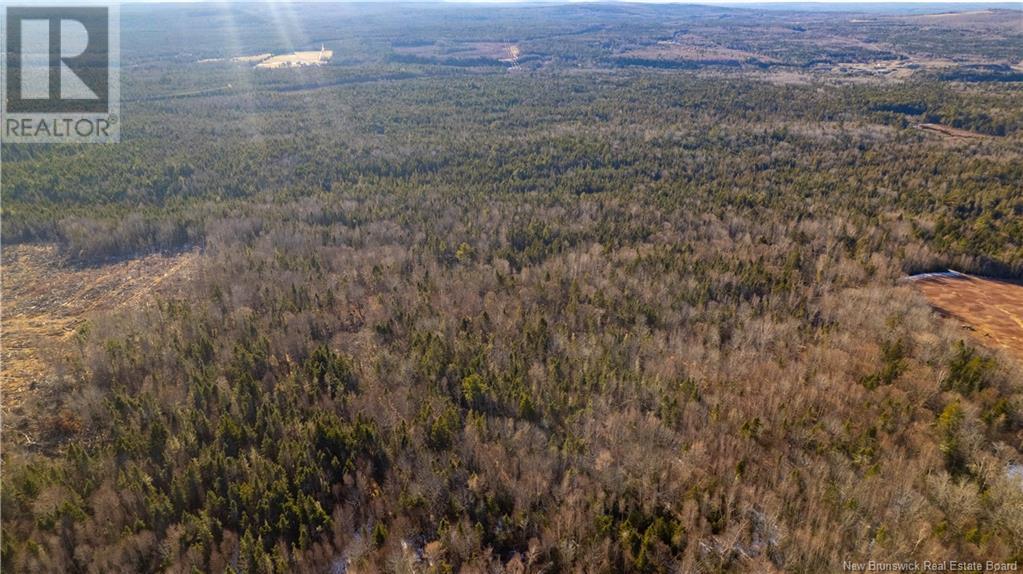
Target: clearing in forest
x=950, y=132
x=991, y=308
x=502, y=51
x=297, y=59
x=694, y=49
x=45, y=300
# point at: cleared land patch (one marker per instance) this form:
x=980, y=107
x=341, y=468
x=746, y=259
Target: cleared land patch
x=500, y=51
x=255, y=58
x=310, y=58
x=268, y=60
x=950, y=132
x=689, y=48
x=983, y=20
x=894, y=69
x=991, y=308
x=46, y=300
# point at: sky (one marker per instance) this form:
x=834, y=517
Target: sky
x=953, y=4
x=1011, y=4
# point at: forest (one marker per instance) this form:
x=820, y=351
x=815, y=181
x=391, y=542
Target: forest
x=624, y=299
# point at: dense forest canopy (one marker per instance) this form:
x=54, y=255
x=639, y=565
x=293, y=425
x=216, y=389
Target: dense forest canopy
x=623, y=298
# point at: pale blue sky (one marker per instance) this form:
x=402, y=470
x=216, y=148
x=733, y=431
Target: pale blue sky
x=1018, y=4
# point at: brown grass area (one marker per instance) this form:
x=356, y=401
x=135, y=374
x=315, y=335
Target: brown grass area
x=45, y=300
x=992, y=309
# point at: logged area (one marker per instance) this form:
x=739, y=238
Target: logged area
x=46, y=302
x=991, y=308
x=523, y=288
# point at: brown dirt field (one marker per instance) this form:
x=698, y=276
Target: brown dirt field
x=992, y=309
x=45, y=301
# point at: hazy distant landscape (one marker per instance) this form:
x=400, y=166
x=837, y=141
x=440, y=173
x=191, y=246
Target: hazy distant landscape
x=527, y=288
